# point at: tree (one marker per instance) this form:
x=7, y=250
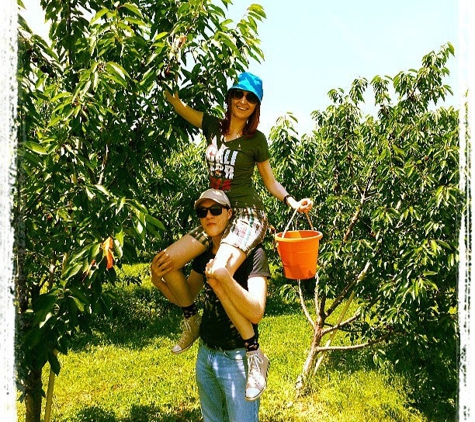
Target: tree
x=388, y=205
x=93, y=132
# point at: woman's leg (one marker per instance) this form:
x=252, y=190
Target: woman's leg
x=181, y=252
x=231, y=258
x=258, y=364
x=247, y=229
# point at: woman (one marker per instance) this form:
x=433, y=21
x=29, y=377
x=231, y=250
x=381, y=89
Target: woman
x=235, y=147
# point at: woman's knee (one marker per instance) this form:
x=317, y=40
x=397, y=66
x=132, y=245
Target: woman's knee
x=229, y=257
x=184, y=250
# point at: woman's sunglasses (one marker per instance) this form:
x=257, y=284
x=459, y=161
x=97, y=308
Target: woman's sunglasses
x=251, y=98
x=215, y=210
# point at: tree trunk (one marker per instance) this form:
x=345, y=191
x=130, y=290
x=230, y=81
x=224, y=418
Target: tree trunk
x=32, y=383
x=309, y=364
x=33, y=396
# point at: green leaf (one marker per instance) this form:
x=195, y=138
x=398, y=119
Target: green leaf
x=35, y=147
x=152, y=220
x=46, y=318
x=398, y=151
x=71, y=271
x=139, y=228
x=120, y=237
x=91, y=250
x=154, y=232
x=117, y=73
x=79, y=295
x=78, y=303
x=121, y=204
x=98, y=15
x=54, y=362
x=118, y=251
x=89, y=193
x=257, y=10
x=160, y=36
x=133, y=8
x=61, y=95
x=102, y=189
x=43, y=307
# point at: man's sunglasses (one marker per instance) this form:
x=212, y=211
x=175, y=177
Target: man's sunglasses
x=215, y=210
x=251, y=98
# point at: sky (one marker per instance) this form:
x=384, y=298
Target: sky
x=313, y=46
x=318, y=45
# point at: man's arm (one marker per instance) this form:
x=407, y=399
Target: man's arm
x=249, y=304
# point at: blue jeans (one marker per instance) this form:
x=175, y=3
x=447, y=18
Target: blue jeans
x=221, y=378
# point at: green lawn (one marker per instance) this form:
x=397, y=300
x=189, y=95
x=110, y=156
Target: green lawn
x=124, y=371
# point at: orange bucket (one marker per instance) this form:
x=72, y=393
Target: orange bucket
x=298, y=251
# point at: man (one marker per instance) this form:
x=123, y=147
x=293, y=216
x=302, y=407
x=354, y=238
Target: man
x=223, y=362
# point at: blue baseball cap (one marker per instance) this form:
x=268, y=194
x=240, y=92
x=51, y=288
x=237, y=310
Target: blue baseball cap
x=249, y=82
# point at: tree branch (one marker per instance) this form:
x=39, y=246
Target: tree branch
x=51, y=271
x=356, y=215
x=348, y=287
x=103, y=165
x=341, y=324
x=320, y=310
x=304, y=307
x=354, y=347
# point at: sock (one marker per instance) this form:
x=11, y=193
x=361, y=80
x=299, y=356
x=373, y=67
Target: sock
x=251, y=344
x=189, y=311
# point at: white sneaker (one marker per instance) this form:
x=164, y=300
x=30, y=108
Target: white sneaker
x=258, y=368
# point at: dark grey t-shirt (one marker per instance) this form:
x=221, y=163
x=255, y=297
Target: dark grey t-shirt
x=216, y=329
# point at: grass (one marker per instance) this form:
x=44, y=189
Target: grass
x=124, y=371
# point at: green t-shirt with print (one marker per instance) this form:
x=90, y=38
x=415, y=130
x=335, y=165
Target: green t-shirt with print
x=231, y=164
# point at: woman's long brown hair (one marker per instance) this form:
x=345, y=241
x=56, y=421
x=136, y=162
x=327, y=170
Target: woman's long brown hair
x=251, y=124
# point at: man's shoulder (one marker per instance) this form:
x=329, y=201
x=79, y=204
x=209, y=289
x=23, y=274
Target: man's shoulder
x=259, y=251
x=257, y=262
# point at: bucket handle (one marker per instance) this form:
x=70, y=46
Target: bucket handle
x=291, y=218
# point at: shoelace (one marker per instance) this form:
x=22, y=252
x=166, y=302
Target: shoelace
x=186, y=328
x=254, y=366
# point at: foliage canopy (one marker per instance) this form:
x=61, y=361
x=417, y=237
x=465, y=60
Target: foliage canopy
x=94, y=133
